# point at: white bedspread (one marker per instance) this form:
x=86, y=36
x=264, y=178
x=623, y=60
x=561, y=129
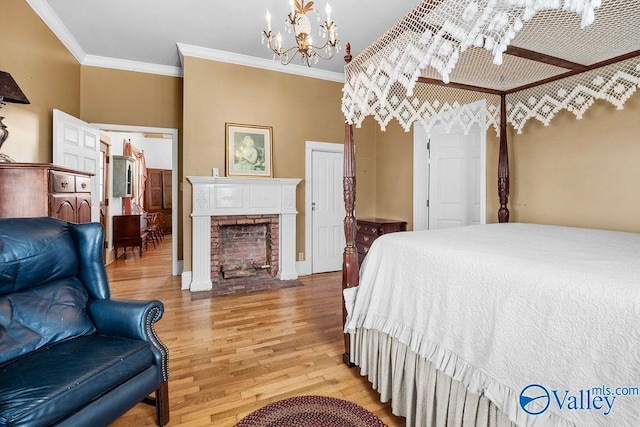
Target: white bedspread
x=502, y=306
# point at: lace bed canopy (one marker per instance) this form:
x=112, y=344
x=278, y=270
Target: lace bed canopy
x=544, y=55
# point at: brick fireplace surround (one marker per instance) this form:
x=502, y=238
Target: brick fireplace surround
x=216, y=200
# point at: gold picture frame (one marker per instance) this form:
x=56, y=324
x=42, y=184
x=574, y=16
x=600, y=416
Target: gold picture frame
x=248, y=150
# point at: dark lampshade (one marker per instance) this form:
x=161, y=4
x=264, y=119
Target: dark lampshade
x=10, y=91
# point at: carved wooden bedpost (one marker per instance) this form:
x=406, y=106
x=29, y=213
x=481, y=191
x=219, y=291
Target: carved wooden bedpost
x=503, y=163
x=350, y=268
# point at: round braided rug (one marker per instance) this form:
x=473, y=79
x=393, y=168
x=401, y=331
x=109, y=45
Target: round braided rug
x=311, y=411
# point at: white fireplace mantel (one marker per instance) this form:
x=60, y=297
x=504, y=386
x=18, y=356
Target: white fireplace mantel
x=213, y=196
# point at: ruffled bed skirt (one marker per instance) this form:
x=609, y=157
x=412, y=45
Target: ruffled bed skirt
x=417, y=390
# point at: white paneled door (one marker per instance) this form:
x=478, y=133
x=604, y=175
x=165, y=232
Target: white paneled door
x=327, y=211
x=454, y=178
x=76, y=145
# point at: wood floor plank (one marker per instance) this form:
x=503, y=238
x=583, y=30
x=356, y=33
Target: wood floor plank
x=229, y=356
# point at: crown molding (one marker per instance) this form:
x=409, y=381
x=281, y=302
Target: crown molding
x=251, y=61
x=128, y=65
x=51, y=19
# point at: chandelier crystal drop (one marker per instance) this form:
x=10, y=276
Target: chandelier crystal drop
x=298, y=20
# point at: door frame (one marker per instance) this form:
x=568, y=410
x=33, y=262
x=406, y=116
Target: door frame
x=306, y=267
x=421, y=171
x=176, y=265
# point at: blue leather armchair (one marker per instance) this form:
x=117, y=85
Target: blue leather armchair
x=69, y=354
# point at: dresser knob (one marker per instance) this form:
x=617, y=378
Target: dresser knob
x=64, y=184
x=83, y=185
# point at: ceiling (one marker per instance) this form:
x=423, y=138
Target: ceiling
x=148, y=31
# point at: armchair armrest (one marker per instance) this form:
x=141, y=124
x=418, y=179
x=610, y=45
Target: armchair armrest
x=130, y=319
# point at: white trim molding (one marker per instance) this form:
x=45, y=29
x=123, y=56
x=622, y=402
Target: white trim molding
x=215, y=196
x=251, y=61
x=303, y=268
x=186, y=278
x=127, y=65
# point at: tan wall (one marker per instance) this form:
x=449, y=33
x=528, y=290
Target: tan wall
x=394, y=174
x=298, y=108
x=365, y=141
x=130, y=98
x=580, y=172
x=47, y=74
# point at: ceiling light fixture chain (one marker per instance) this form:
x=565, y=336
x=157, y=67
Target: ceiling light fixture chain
x=298, y=21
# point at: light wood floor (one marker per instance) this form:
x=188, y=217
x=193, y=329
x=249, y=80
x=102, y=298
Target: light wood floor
x=232, y=355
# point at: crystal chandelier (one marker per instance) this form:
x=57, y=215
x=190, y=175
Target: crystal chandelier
x=299, y=21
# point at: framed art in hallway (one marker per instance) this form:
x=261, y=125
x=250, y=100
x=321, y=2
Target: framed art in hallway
x=248, y=150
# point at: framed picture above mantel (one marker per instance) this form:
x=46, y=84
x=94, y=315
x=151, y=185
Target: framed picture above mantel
x=248, y=150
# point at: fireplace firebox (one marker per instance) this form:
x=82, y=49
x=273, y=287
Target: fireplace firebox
x=244, y=246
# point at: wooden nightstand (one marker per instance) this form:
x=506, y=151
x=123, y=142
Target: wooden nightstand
x=369, y=230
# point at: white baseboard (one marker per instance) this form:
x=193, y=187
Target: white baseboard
x=179, y=267
x=186, y=280
x=303, y=268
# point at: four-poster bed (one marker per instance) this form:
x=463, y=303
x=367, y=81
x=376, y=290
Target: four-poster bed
x=528, y=59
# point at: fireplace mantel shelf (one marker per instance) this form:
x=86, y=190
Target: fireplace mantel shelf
x=212, y=196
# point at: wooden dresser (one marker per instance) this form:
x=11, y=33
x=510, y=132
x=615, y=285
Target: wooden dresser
x=42, y=189
x=129, y=231
x=369, y=230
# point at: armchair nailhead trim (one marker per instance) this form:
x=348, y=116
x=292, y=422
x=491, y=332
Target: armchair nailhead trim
x=152, y=317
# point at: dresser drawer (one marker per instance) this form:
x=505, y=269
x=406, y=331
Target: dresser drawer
x=83, y=184
x=62, y=182
x=368, y=229
x=362, y=248
x=365, y=239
